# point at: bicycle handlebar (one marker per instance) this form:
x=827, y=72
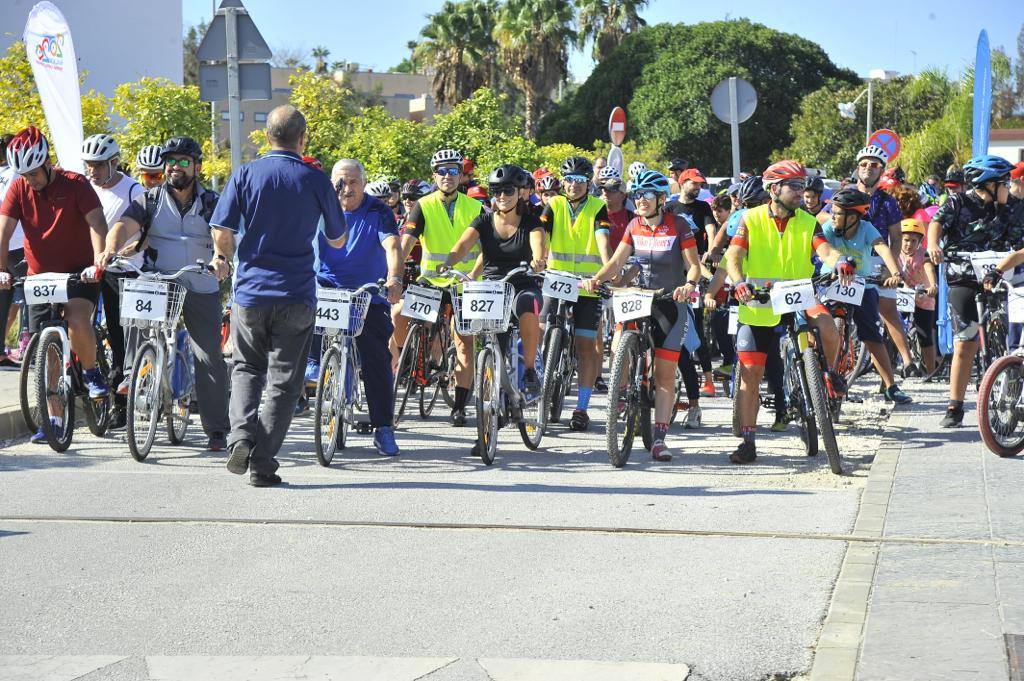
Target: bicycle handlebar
x=198, y=268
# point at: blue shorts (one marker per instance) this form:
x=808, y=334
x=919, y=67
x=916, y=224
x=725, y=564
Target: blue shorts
x=866, y=317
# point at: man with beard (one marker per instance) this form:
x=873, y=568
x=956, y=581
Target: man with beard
x=171, y=224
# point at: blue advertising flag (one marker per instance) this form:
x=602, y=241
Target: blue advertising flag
x=982, y=96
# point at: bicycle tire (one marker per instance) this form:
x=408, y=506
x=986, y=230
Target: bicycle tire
x=27, y=385
x=796, y=402
x=59, y=440
x=680, y=392
x=97, y=412
x=534, y=418
x=623, y=387
x=177, y=418
x=405, y=373
x=144, y=399
x=647, y=404
x=426, y=405
x=822, y=414
x=552, y=352
x=448, y=361
x=737, y=427
x=1005, y=409
x=326, y=409
x=487, y=397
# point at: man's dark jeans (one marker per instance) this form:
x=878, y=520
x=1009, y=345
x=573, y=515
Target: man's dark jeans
x=271, y=345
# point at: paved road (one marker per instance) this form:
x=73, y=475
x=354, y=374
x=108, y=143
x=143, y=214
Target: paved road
x=366, y=567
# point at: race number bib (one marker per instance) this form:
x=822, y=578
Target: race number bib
x=561, y=286
x=852, y=293
x=483, y=300
x=333, y=308
x=792, y=296
x=46, y=289
x=734, y=320
x=905, y=299
x=144, y=300
x=1015, y=304
x=631, y=305
x=985, y=262
x=421, y=303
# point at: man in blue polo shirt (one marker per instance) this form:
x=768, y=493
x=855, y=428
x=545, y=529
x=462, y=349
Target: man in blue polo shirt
x=371, y=253
x=274, y=204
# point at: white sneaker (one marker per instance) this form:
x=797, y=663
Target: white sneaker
x=692, y=418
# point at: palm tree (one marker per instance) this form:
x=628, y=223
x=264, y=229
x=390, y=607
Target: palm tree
x=607, y=23
x=533, y=39
x=320, y=53
x=456, y=46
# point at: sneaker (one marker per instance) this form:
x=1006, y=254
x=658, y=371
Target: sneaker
x=954, y=418
x=95, y=382
x=659, y=451
x=580, y=420
x=745, y=453
x=301, y=405
x=218, y=443
x=600, y=386
x=708, y=390
x=122, y=387
x=725, y=370
x=780, y=425
x=238, y=458
x=894, y=394
x=7, y=363
x=693, y=417
x=532, y=381
x=39, y=437
x=118, y=418
x=458, y=417
x=312, y=371
x=19, y=353
x=911, y=371
x=384, y=441
x=264, y=479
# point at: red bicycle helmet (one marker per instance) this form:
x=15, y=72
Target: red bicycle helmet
x=783, y=171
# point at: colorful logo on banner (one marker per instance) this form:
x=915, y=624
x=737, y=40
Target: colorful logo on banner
x=50, y=51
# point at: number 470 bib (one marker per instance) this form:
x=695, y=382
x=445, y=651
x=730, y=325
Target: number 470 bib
x=792, y=296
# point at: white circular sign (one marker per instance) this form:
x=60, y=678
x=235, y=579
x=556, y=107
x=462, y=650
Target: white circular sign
x=746, y=101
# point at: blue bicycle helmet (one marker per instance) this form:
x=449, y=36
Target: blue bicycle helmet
x=650, y=180
x=751, y=190
x=982, y=169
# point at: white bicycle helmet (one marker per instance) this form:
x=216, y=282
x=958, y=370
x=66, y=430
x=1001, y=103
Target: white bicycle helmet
x=608, y=173
x=635, y=168
x=28, y=150
x=445, y=157
x=100, y=147
x=381, y=189
x=150, y=157
x=873, y=151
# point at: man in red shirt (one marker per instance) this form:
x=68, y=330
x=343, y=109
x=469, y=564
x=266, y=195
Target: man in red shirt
x=64, y=232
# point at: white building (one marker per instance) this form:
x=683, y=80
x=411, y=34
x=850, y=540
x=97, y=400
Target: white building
x=116, y=41
x=1008, y=143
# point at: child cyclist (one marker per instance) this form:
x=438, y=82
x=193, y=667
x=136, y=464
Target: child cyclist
x=917, y=270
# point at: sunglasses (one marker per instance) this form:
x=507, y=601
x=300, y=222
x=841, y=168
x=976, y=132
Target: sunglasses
x=153, y=177
x=646, y=195
x=869, y=164
x=410, y=197
x=450, y=171
x=795, y=184
x=181, y=162
x=578, y=179
x=504, y=191
x=609, y=188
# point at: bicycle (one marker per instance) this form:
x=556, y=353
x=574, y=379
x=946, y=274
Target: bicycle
x=51, y=377
x=340, y=315
x=631, y=390
x=161, y=378
x=993, y=325
x=558, y=349
x=1001, y=405
x=484, y=309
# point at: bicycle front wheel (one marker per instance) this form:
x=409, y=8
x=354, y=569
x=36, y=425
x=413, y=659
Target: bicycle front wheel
x=822, y=414
x=1000, y=412
x=54, y=394
x=488, y=401
x=409, y=366
x=330, y=431
x=623, y=399
x=178, y=414
x=551, y=387
x=144, y=400
x=796, y=401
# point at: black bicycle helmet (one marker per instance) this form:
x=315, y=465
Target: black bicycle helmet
x=751, y=190
x=954, y=176
x=852, y=198
x=578, y=165
x=186, y=146
x=411, y=190
x=816, y=185
x=678, y=164
x=507, y=175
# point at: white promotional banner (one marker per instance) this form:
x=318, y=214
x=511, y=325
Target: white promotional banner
x=55, y=67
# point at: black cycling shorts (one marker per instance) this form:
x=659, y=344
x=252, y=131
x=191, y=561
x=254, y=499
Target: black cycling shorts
x=963, y=310
x=586, y=312
x=924, y=323
x=754, y=343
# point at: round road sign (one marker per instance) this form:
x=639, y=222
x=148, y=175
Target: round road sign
x=888, y=140
x=746, y=101
x=617, y=126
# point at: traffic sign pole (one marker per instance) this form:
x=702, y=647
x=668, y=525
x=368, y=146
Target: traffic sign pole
x=735, y=129
x=234, y=94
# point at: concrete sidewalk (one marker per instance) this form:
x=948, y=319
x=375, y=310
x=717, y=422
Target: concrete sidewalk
x=11, y=423
x=936, y=590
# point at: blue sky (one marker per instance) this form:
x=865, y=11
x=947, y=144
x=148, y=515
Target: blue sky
x=904, y=36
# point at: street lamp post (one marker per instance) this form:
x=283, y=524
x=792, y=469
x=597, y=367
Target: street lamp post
x=847, y=109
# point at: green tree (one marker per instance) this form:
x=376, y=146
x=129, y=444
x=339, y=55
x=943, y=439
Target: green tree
x=475, y=125
x=320, y=54
x=456, y=44
x=533, y=39
x=190, y=45
x=823, y=139
x=651, y=153
x=391, y=147
x=155, y=109
x=607, y=23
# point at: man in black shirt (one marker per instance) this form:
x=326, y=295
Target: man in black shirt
x=699, y=212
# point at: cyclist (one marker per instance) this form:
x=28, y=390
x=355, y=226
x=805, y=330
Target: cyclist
x=116, y=192
x=774, y=242
x=952, y=184
x=578, y=226
x=16, y=254
x=150, y=166
x=812, y=196
x=664, y=246
x=676, y=167
x=611, y=189
x=549, y=187
x=855, y=237
x=370, y=254
x=379, y=189
x=437, y=221
x=917, y=270
x=508, y=236
x=172, y=224
x=64, y=229
x=984, y=217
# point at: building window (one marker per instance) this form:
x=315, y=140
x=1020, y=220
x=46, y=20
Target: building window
x=259, y=117
x=225, y=117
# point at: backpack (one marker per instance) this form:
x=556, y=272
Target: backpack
x=207, y=197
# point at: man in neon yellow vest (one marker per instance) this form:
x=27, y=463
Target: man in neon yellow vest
x=578, y=225
x=437, y=221
x=773, y=243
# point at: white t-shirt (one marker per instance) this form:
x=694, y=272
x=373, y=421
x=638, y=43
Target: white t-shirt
x=115, y=201
x=7, y=176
